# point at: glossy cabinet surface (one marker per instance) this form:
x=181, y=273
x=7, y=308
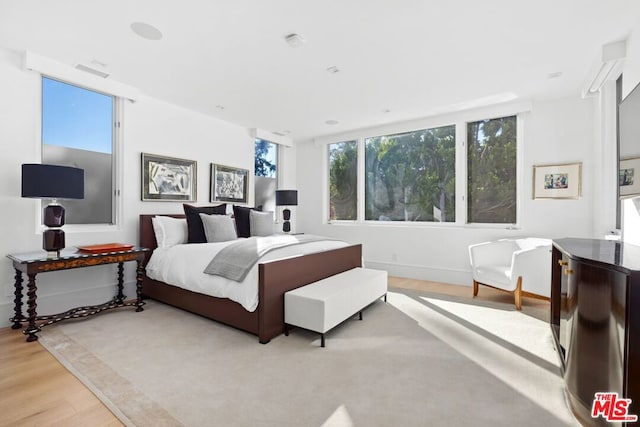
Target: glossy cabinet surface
x=595, y=319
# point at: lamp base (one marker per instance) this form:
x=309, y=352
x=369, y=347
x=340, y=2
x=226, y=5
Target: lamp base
x=53, y=240
x=54, y=215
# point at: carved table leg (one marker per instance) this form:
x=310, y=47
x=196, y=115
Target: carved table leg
x=139, y=277
x=17, y=319
x=120, y=296
x=32, y=328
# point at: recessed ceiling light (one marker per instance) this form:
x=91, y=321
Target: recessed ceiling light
x=333, y=69
x=294, y=40
x=331, y=122
x=146, y=31
x=554, y=75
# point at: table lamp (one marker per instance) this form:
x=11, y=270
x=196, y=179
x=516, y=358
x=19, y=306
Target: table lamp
x=286, y=198
x=52, y=182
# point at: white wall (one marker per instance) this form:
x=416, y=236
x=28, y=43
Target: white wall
x=555, y=131
x=150, y=126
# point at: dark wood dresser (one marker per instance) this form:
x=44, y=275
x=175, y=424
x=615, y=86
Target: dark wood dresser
x=595, y=320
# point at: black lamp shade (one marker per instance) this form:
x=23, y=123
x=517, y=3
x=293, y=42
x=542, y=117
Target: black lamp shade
x=52, y=181
x=287, y=198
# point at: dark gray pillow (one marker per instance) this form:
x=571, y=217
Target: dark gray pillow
x=261, y=223
x=218, y=228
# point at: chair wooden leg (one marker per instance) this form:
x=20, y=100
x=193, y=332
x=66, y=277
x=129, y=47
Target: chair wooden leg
x=518, y=294
x=475, y=288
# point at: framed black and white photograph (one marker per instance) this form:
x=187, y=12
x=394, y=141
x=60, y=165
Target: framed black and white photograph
x=229, y=184
x=628, y=178
x=557, y=181
x=168, y=179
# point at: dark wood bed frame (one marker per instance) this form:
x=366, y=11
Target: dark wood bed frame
x=275, y=278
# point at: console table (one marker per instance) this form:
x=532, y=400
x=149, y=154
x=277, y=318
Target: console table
x=38, y=262
x=595, y=321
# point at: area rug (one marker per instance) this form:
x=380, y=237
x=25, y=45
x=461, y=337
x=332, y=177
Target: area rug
x=418, y=360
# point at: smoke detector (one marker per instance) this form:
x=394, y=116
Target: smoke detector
x=146, y=31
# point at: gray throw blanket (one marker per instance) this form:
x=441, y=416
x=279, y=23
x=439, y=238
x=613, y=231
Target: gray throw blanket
x=234, y=261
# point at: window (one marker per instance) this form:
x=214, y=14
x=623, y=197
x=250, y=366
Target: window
x=343, y=180
x=78, y=130
x=411, y=176
x=491, y=170
x=266, y=174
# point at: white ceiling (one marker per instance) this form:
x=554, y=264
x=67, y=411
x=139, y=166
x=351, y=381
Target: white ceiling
x=414, y=58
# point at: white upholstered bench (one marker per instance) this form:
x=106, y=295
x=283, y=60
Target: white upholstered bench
x=321, y=305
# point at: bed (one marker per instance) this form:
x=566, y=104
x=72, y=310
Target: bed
x=274, y=279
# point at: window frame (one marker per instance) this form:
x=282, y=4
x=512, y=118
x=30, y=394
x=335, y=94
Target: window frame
x=460, y=121
x=117, y=159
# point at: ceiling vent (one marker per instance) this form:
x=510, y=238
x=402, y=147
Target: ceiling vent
x=294, y=40
x=609, y=67
x=93, y=71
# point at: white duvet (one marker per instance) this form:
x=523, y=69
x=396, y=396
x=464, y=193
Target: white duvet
x=183, y=266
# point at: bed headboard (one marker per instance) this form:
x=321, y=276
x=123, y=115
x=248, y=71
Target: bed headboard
x=147, y=236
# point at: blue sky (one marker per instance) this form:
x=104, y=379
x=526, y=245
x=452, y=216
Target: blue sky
x=75, y=117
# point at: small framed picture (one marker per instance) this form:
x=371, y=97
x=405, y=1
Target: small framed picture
x=168, y=179
x=229, y=184
x=628, y=178
x=557, y=181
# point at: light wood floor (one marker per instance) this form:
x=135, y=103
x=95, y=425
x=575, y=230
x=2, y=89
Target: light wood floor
x=36, y=390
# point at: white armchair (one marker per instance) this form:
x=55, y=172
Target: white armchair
x=514, y=265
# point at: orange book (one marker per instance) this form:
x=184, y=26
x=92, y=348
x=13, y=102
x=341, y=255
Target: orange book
x=105, y=247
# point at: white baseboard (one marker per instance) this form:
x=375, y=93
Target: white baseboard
x=423, y=272
x=63, y=301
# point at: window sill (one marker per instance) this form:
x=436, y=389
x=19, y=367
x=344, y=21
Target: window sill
x=440, y=225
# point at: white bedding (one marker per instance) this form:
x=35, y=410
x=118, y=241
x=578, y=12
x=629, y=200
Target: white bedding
x=183, y=266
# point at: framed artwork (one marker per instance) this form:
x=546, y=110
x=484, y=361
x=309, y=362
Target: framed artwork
x=168, y=179
x=628, y=178
x=229, y=184
x=557, y=181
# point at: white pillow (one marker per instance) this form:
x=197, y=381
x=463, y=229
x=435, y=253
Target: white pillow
x=260, y=223
x=169, y=231
x=219, y=228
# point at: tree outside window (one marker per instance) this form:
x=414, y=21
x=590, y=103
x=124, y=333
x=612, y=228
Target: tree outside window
x=411, y=176
x=266, y=158
x=491, y=170
x=266, y=174
x=343, y=180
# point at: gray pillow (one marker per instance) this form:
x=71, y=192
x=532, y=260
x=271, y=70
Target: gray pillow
x=261, y=223
x=218, y=228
